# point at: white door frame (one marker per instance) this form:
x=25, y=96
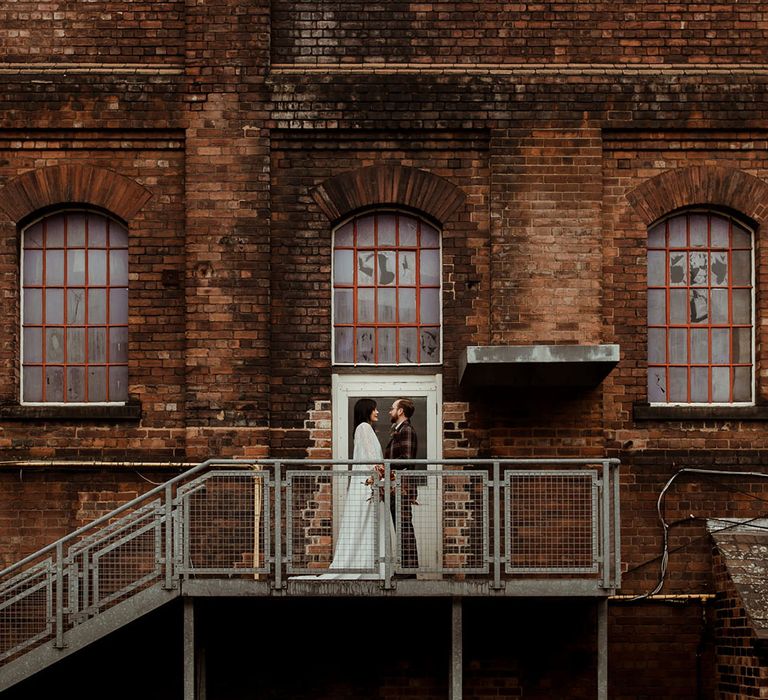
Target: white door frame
x=426, y=518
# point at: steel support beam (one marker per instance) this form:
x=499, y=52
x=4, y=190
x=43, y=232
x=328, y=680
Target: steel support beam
x=189, y=650
x=602, y=649
x=457, y=650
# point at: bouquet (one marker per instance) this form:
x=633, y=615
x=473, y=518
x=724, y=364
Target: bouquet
x=379, y=475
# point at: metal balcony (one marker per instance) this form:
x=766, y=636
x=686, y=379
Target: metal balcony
x=266, y=528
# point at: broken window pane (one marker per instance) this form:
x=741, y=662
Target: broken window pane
x=407, y=267
x=719, y=269
x=678, y=267
x=386, y=272
x=698, y=269
x=657, y=385
x=366, y=262
x=699, y=306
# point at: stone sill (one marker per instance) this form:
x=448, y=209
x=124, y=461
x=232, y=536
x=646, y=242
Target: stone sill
x=95, y=414
x=644, y=411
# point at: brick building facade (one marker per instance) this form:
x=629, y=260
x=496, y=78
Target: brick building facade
x=543, y=140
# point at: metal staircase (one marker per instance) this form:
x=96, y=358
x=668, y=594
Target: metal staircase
x=510, y=527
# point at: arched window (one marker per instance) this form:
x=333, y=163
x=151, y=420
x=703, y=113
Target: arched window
x=386, y=291
x=74, y=310
x=700, y=318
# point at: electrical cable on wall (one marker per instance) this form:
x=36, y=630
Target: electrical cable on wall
x=665, y=525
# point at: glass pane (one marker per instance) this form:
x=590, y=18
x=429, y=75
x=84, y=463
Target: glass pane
x=698, y=268
x=719, y=305
x=430, y=267
x=33, y=267
x=678, y=301
x=742, y=267
x=741, y=237
x=677, y=238
x=97, y=267
x=657, y=236
x=365, y=308
x=742, y=345
x=344, y=236
x=721, y=384
x=657, y=385
x=365, y=338
x=97, y=345
x=118, y=267
x=699, y=306
x=118, y=383
x=719, y=262
x=430, y=306
x=76, y=230
x=76, y=384
x=429, y=236
x=118, y=235
x=430, y=344
x=33, y=345
x=33, y=237
x=342, y=305
x=365, y=266
x=386, y=230
x=54, y=384
x=118, y=305
x=118, y=344
x=657, y=349
x=719, y=232
x=742, y=306
x=700, y=346
x=343, y=345
x=97, y=383
x=365, y=231
x=33, y=384
x=657, y=309
x=721, y=354
x=407, y=305
x=678, y=265
x=54, y=306
x=386, y=340
x=699, y=384
x=97, y=306
x=742, y=384
x=408, y=343
x=407, y=231
x=75, y=267
x=387, y=307
x=76, y=345
x=97, y=231
x=698, y=226
x=76, y=306
x=678, y=346
x=656, y=264
x=54, y=345
x=407, y=267
x=33, y=306
x=54, y=267
x=678, y=384
x=386, y=271
x=54, y=231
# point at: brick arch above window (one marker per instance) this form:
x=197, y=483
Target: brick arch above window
x=707, y=185
x=73, y=183
x=382, y=185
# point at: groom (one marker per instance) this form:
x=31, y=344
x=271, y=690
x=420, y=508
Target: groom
x=403, y=445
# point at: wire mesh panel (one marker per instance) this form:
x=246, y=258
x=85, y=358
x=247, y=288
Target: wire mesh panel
x=441, y=521
x=224, y=523
x=26, y=604
x=551, y=521
x=350, y=542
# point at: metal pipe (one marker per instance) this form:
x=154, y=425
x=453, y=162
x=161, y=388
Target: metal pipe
x=703, y=597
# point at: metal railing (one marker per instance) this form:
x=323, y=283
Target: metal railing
x=278, y=520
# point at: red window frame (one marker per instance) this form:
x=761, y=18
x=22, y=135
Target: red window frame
x=375, y=247
x=690, y=324
x=109, y=244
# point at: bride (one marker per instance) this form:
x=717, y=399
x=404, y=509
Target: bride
x=356, y=542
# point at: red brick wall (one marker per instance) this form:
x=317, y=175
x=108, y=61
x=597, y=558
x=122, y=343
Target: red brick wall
x=444, y=31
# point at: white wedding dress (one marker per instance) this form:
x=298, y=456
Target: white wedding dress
x=356, y=542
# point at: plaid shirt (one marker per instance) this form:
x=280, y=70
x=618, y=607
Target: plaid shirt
x=403, y=444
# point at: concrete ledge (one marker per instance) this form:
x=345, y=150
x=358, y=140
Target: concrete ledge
x=644, y=411
x=577, y=366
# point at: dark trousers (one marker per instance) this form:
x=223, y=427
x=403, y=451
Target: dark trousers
x=409, y=558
